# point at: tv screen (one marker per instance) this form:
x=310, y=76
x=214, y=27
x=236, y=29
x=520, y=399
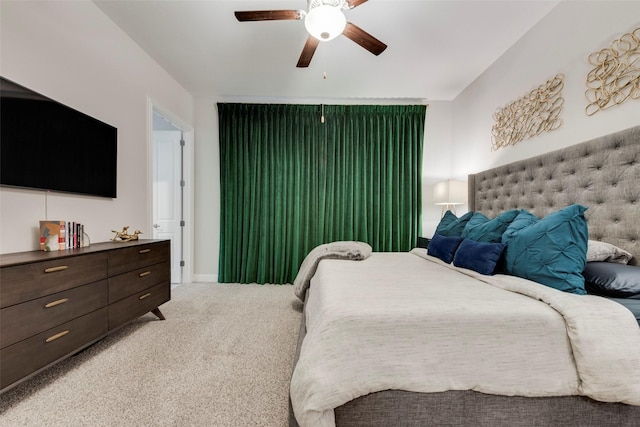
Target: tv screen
x=47, y=145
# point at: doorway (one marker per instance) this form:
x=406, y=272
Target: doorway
x=170, y=201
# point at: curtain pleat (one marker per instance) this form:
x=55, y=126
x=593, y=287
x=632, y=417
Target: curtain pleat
x=290, y=182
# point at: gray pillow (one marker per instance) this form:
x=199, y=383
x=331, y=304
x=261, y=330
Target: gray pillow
x=602, y=251
x=611, y=279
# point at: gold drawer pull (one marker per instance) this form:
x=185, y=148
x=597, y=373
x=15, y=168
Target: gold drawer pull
x=54, y=269
x=144, y=273
x=58, y=302
x=148, y=294
x=56, y=336
x=144, y=251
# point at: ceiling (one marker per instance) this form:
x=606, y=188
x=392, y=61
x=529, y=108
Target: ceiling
x=436, y=48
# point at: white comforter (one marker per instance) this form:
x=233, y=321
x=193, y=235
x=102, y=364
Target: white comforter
x=410, y=322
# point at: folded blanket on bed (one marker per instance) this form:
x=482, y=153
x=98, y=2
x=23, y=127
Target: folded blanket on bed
x=349, y=250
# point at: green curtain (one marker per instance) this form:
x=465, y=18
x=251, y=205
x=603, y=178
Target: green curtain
x=290, y=182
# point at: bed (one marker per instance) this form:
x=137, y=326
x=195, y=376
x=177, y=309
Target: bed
x=383, y=342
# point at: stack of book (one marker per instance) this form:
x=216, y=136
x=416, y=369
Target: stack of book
x=61, y=235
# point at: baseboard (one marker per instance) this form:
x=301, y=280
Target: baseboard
x=204, y=278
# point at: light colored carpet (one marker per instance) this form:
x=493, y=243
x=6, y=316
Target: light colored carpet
x=222, y=357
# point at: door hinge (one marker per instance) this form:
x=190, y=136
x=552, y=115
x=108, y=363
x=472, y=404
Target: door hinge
x=182, y=183
x=181, y=263
x=182, y=144
x=182, y=223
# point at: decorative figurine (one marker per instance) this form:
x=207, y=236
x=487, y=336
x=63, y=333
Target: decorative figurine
x=124, y=236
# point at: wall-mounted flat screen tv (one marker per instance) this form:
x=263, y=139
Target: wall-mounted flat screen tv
x=47, y=145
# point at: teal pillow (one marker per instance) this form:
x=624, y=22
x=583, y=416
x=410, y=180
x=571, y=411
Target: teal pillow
x=482, y=229
x=553, y=251
x=478, y=256
x=446, y=219
x=522, y=220
x=452, y=226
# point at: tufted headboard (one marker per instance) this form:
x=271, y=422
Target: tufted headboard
x=602, y=174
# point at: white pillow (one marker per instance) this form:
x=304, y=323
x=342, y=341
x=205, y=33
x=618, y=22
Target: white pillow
x=602, y=251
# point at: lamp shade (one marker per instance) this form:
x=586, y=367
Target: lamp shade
x=450, y=193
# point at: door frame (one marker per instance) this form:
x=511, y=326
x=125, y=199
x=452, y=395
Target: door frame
x=188, y=174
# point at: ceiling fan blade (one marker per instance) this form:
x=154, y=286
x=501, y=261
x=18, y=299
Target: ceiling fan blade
x=355, y=3
x=307, y=52
x=364, y=39
x=268, y=15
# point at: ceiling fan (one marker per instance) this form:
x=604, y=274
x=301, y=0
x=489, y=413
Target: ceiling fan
x=324, y=21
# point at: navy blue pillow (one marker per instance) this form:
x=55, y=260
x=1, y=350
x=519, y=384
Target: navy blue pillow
x=443, y=247
x=612, y=279
x=452, y=226
x=478, y=256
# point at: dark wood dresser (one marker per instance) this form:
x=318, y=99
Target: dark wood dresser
x=54, y=304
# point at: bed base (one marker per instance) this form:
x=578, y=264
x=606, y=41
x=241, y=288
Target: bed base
x=469, y=408
x=462, y=408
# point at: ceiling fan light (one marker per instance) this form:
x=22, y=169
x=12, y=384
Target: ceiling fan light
x=325, y=22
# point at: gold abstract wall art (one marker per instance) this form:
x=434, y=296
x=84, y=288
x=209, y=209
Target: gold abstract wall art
x=616, y=74
x=536, y=112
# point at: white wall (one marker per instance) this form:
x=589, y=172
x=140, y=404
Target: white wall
x=560, y=43
x=207, y=192
x=436, y=160
x=71, y=52
x=458, y=133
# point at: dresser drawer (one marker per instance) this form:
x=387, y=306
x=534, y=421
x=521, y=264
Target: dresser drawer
x=24, y=320
x=30, y=281
x=133, y=258
x=127, y=284
x=136, y=305
x=26, y=357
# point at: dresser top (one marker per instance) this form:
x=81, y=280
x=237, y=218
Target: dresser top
x=27, y=257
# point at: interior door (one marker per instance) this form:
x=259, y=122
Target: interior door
x=167, y=200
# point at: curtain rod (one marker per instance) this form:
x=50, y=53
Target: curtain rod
x=326, y=101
